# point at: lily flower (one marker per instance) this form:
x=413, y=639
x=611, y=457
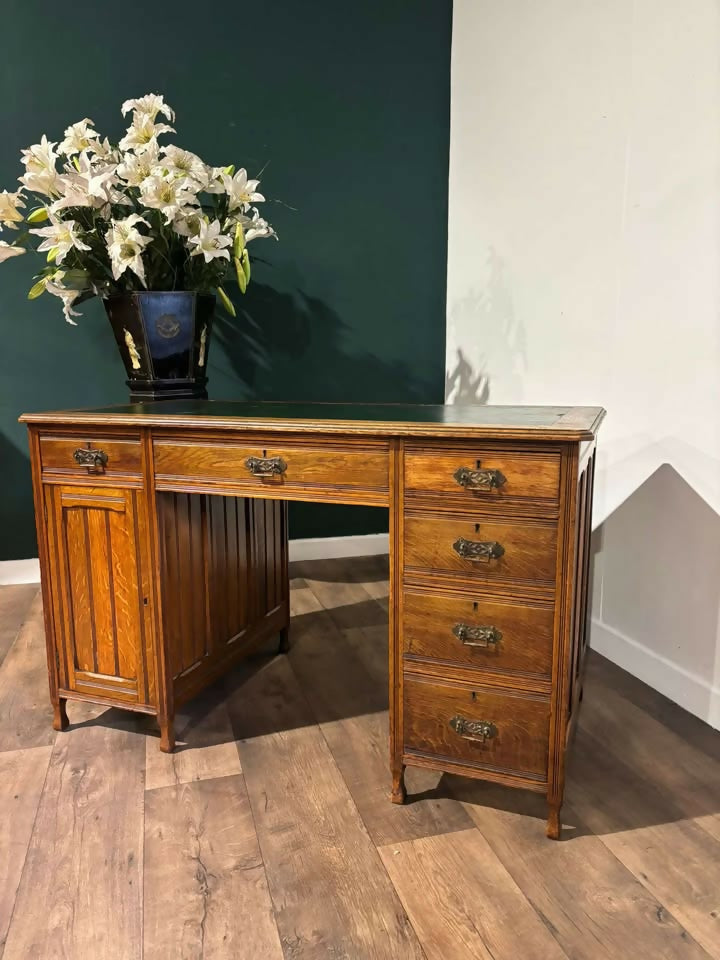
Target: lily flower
x=210, y=242
x=149, y=106
x=78, y=137
x=168, y=195
x=62, y=237
x=142, y=134
x=10, y=214
x=40, y=173
x=136, y=167
x=185, y=165
x=125, y=245
x=240, y=191
x=89, y=184
x=7, y=251
x=54, y=286
x=258, y=227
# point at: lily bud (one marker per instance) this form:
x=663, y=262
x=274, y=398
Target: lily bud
x=226, y=302
x=241, y=278
x=229, y=170
x=36, y=289
x=52, y=253
x=239, y=242
x=37, y=215
x=245, y=260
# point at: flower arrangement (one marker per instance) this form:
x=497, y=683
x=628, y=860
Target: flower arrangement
x=133, y=216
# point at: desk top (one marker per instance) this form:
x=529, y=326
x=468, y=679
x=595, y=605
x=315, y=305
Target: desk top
x=358, y=419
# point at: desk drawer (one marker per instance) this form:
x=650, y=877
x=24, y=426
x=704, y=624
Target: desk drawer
x=478, y=632
x=478, y=726
x=478, y=474
x=489, y=550
x=84, y=455
x=286, y=466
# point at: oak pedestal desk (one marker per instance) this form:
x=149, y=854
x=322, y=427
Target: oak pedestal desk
x=163, y=547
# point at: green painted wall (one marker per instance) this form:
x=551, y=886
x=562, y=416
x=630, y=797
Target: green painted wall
x=347, y=108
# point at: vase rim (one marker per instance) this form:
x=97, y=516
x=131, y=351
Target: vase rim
x=158, y=293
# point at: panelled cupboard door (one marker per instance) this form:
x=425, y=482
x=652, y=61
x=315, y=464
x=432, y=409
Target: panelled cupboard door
x=101, y=602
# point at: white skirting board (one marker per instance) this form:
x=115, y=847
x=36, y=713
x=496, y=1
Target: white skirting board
x=695, y=694
x=316, y=548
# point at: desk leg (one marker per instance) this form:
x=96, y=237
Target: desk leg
x=284, y=643
x=60, y=717
x=397, y=767
x=167, y=734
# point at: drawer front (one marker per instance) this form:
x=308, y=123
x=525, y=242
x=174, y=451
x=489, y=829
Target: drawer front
x=478, y=726
x=480, y=474
x=81, y=456
x=480, y=633
x=489, y=550
x=287, y=466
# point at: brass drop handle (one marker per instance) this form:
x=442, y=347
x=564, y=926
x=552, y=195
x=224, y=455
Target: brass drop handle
x=476, y=730
x=471, y=636
x=266, y=466
x=479, y=479
x=94, y=460
x=484, y=550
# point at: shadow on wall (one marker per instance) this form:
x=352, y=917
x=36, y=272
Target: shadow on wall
x=17, y=493
x=279, y=333
x=489, y=339
x=656, y=591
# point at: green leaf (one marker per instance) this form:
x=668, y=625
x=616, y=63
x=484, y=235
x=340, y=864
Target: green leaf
x=36, y=290
x=37, y=215
x=245, y=260
x=226, y=302
x=241, y=278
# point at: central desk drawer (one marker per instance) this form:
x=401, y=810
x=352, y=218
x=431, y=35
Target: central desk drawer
x=289, y=467
x=489, y=550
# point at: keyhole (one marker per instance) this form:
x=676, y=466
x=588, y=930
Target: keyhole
x=477, y=528
x=145, y=601
x=473, y=696
x=475, y=605
x=477, y=464
x=264, y=453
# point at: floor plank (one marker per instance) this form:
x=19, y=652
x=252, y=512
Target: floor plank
x=463, y=903
x=205, y=745
x=331, y=893
x=15, y=600
x=594, y=906
x=206, y=894
x=22, y=775
x=351, y=708
x=81, y=889
x=25, y=712
x=673, y=857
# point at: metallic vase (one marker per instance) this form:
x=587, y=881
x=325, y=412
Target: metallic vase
x=164, y=340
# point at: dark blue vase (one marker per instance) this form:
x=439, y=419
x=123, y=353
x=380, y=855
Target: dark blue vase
x=164, y=339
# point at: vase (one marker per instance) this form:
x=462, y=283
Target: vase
x=163, y=338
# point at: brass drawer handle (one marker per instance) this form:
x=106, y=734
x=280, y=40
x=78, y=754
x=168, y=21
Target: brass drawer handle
x=484, y=550
x=476, y=730
x=479, y=479
x=471, y=636
x=94, y=460
x=266, y=466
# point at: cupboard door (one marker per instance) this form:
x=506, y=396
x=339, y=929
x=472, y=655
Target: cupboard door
x=99, y=568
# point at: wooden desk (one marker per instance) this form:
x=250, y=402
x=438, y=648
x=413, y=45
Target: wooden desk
x=163, y=545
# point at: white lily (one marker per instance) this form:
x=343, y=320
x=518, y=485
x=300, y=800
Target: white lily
x=54, y=286
x=187, y=224
x=258, y=227
x=103, y=150
x=142, y=134
x=7, y=251
x=40, y=173
x=90, y=183
x=168, y=195
x=149, y=106
x=240, y=191
x=210, y=242
x=125, y=245
x=184, y=164
x=10, y=204
x=136, y=167
x=78, y=137
x=213, y=180
x=62, y=236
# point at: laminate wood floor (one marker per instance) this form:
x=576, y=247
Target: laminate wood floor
x=269, y=834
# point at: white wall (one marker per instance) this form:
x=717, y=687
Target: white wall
x=584, y=267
